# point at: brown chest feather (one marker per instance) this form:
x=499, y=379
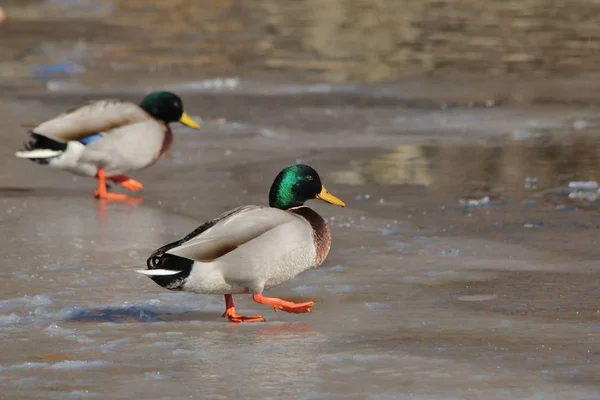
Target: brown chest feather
x=166, y=144
x=321, y=234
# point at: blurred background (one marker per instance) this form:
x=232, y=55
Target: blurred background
x=524, y=70
x=336, y=41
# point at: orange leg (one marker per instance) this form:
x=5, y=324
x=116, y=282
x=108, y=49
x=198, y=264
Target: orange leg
x=284, y=305
x=127, y=182
x=233, y=316
x=102, y=193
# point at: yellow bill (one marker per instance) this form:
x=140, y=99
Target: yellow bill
x=329, y=198
x=188, y=121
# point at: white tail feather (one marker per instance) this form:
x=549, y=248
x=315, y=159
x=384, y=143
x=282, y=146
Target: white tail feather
x=40, y=153
x=156, y=272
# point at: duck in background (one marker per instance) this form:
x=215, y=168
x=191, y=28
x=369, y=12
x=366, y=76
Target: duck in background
x=252, y=248
x=107, y=138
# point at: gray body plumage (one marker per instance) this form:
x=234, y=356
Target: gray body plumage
x=130, y=139
x=249, y=250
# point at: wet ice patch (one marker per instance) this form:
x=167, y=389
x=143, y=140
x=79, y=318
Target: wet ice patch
x=163, y=344
x=155, y=375
x=340, y=289
x=524, y=134
x=55, y=330
x=376, y=306
x=305, y=289
x=173, y=334
x=397, y=244
x=475, y=202
x=83, y=394
x=315, y=395
x=9, y=319
x=40, y=300
x=62, y=268
x=390, y=231
x=362, y=358
x=183, y=353
x=117, y=314
x=504, y=324
x=580, y=124
x=584, y=190
x=234, y=127
x=207, y=84
x=332, y=270
x=531, y=182
x=349, y=370
x=157, y=334
x=477, y=297
x=536, y=224
x=271, y=134
x=565, y=208
x=106, y=347
x=449, y=252
x=30, y=380
x=24, y=366
x=112, y=345
x=371, y=357
x=62, y=314
x=71, y=365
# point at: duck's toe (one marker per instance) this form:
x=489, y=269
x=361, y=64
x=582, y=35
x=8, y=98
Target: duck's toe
x=127, y=182
x=295, y=308
x=234, y=317
x=284, y=305
x=116, y=197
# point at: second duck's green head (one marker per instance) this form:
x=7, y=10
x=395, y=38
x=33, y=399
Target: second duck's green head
x=167, y=107
x=296, y=184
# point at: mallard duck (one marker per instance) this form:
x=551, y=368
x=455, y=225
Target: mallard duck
x=107, y=138
x=252, y=248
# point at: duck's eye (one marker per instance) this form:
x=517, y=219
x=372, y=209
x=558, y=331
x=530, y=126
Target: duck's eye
x=310, y=177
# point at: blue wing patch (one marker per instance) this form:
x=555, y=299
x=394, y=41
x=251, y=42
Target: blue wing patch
x=91, y=138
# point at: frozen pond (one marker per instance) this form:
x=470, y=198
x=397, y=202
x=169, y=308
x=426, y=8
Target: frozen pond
x=460, y=268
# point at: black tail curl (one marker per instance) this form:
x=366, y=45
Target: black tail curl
x=42, y=142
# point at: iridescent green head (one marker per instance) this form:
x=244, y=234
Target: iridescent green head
x=167, y=107
x=296, y=184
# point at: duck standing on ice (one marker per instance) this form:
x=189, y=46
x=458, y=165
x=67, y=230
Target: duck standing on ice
x=252, y=248
x=107, y=138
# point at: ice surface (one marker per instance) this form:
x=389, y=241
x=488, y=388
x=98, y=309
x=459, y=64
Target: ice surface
x=415, y=300
x=75, y=365
x=24, y=366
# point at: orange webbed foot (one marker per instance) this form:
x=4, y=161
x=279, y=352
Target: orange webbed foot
x=284, y=305
x=234, y=317
x=104, y=195
x=127, y=182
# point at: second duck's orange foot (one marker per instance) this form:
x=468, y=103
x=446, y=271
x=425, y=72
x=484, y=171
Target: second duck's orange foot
x=127, y=182
x=284, y=305
x=110, y=196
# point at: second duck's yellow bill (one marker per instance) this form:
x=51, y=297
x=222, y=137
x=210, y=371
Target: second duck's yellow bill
x=188, y=121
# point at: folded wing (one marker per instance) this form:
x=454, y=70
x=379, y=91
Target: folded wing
x=232, y=230
x=91, y=118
